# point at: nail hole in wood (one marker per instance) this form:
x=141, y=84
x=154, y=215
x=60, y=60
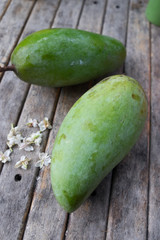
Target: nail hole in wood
x=95, y=2
x=93, y=193
x=117, y=6
x=17, y=177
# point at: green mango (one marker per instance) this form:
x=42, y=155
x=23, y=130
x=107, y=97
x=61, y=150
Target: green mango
x=62, y=57
x=98, y=131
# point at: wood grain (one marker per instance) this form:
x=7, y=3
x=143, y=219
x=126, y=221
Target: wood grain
x=128, y=202
x=154, y=193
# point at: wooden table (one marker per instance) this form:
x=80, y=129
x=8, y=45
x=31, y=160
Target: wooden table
x=126, y=205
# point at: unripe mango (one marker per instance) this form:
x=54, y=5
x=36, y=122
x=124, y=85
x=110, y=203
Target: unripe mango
x=98, y=131
x=62, y=57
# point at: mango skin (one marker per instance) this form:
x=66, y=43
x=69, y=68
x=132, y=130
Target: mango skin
x=63, y=57
x=98, y=131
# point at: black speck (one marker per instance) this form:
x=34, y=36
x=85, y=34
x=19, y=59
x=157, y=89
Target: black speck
x=17, y=177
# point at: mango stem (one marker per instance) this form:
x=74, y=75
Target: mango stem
x=7, y=68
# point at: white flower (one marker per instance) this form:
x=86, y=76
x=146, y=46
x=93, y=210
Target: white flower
x=44, y=124
x=23, y=163
x=34, y=138
x=32, y=122
x=5, y=157
x=38, y=141
x=44, y=160
x=14, y=137
x=26, y=145
x=13, y=132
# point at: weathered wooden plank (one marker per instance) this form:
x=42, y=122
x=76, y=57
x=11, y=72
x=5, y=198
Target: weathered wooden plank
x=15, y=200
x=41, y=217
x=92, y=16
x=116, y=19
x=49, y=222
x=11, y=26
x=128, y=202
x=3, y=7
x=10, y=107
x=154, y=190
x=89, y=221
x=67, y=18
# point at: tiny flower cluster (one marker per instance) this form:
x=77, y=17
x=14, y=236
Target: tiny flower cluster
x=43, y=125
x=5, y=157
x=23, y=162
x=14, y=137
x=44, y=160
x=27, y=143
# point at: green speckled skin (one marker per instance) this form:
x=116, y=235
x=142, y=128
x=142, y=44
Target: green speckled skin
x=62, y=57
x=99, y=130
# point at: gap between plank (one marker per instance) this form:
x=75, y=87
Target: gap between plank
x=63, y=237
x=28, y=206
x=104, y=14
x=52, y=21
x=149, y=128
x=109, y=201
x=4, y=11
x=80, y=14
x=129, y=3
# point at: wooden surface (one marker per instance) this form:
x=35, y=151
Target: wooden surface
x=126, y=205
